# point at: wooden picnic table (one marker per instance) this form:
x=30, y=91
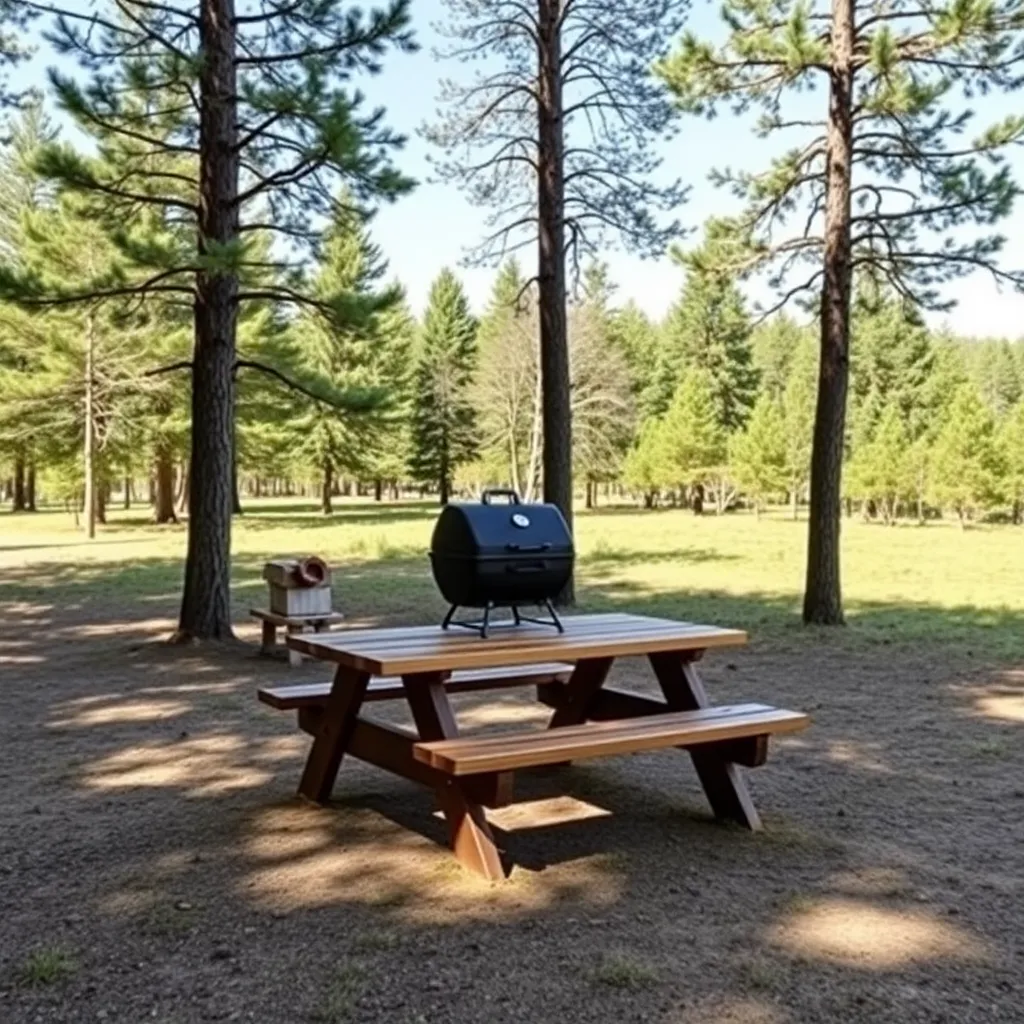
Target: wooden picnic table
x=424, y=665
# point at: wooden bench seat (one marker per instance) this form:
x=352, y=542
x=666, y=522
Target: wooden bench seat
x=720, y=725
x=304, y=695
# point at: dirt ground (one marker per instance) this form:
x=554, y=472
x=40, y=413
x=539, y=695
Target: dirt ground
x=156, y=866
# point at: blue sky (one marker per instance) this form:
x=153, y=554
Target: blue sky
x=435, y=225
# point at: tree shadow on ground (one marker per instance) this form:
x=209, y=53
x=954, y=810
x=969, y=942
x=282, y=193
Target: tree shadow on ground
x=165, y=825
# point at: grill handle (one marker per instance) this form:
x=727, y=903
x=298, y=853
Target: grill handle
x=528, y=549
x=499, y=492
x=535, y=567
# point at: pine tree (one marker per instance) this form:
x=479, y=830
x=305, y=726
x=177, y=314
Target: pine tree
x=966, y=464
x=893, y=362
x=878, y=467
x=443, y=424
x=709, y=329
x=773, y=345
x=643, y=468
x=1011, y=442
x=352, y=351
x=633, y=334
x=798, y=416
x=227, y=126
x=553, y=130
x=882, y=177
x=757, y=456
x=692, y=441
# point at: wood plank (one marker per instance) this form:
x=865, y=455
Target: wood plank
x=601, y=739
x=335, y=730
x=296, y=695
x=721, y=779
x=610, y=704
x=445, y=651
x=276, y=619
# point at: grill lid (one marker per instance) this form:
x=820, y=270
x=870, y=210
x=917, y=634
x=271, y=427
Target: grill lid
x=490, y=529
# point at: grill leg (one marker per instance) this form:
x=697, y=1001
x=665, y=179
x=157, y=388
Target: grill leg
x=448, y=617
x=554, y=616
x=516, y=618
x=486, y=620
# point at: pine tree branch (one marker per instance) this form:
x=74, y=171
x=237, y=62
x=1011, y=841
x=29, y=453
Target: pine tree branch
x=169, y=368
x=271, y=371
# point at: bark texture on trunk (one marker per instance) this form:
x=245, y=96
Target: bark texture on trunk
x=554, y=346
x=163, y=490
x=325, y=491
x=18, y=496
x=206, y=600
x=89, y=452
x=823, y=593
x=30, y=488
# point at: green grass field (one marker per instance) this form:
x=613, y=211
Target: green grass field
x=904, y=584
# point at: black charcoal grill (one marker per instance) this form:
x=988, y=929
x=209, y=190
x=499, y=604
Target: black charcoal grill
x=501, y=555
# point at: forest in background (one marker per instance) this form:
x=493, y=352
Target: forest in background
x=711, y=408
x=193, y=296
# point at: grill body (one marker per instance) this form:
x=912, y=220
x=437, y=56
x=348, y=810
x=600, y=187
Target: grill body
x=500, y=555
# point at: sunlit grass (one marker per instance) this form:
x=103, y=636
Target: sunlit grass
x=902, y=584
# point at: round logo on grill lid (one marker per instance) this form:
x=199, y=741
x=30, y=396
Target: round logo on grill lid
x=518, y=519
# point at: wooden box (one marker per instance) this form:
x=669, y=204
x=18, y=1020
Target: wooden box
x=288, y=595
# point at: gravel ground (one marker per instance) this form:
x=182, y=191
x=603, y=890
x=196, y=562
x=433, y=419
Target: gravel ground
x=155, y=865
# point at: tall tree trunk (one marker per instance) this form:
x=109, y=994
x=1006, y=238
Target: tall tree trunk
x=823, y=592
x=163, y=490
x=89, y=452
x=698, y=500
x=554, y=346
x=30, y=487
x=588, y=497
x=206, y=599
x=127, y=493
x=236, y=497
x=328, y=485
x=102, y=493
x=18, y=499
x=378, y=489
x=444, y=480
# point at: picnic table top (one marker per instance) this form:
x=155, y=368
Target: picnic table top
x=411, y=650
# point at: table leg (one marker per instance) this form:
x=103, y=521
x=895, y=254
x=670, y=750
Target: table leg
x=268, y=642
x=722, y=780
x=587, y=678
x=294, y=657
x=335, y=731
x=469, y=833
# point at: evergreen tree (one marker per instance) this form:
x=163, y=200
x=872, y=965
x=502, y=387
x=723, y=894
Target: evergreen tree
x=757, y=456
x=966, y=465
x=892, y=363
x=1011, y=442
x=709, y=329
x=228, y=126
x=633, y=334
x=353, y=351
x=443, y=425
x=883, y=176
x=773, y=345
x=642, y=470
x=798, y=416
x=692, y=442
x=996, y=373
x=878, y=468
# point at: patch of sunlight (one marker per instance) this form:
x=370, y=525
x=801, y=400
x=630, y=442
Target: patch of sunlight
x=92, y=630
x=21, y=659
x=123, y=713
x=845, y=752
x=507, y=714
x=1006, y=707
x=206, y=766
x=306, y=857
x=539, y=813
x=729, y=1010
x=857, y=934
